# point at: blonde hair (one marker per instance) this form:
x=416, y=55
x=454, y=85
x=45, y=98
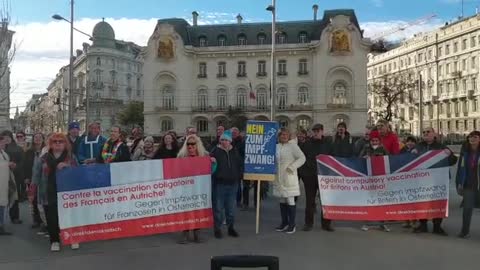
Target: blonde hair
x=200, y=148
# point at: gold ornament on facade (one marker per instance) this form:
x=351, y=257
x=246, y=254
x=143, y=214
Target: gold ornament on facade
x=340, y=41
x=165, y=48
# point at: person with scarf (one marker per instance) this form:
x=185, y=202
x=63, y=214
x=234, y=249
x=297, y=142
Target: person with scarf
x=58, y=157
x=31, y=156
x=115, y=149
x=168, y=147
x=8, y=192
x=468, y=180
x=193, y=147
x=90, y=145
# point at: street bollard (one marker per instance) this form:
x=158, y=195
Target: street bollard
x=245, y=261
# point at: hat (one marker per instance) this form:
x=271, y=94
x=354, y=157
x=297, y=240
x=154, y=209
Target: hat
x=73, y=125
x=374, y=135
x=342, y=124
x=227, y=135
x=474, y=133
x=317, y=127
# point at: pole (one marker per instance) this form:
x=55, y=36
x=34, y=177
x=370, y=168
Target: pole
x=87, y=102
x=420, y=104
x=257, y=225
x=273, y=88
x=70, y=70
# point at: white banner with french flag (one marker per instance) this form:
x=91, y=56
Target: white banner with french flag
x=135, y=198
x=401, y=187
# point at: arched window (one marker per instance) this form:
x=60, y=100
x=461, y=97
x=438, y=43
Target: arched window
x=222, y=40
x=242, y=39
x=202, y=125
x=339, y=93
x=241, y=98
x=222, y=99
x=166, y=125
x=168, y=98
x=303, y=37
x=202, y=100
x=261, y=98
x=303, y=95
x=282, y=38
x=99, y=61
x=304, y=122
x=202, y=41
x=283, y=122
x=261, y=38
x=282, y=98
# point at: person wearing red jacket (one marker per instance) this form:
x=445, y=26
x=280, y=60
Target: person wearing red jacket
x=388, y=139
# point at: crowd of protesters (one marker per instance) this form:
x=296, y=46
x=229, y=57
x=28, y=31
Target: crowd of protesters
x=29, y=171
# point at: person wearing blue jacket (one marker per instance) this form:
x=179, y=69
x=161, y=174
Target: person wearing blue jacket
x=91, y=144
x=468, y=180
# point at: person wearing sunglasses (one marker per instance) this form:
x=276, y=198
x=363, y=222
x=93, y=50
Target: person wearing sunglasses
x=22, y=140
x=429, y=142
x=58, y=157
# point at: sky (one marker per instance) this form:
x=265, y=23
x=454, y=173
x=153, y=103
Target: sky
x=43, y=44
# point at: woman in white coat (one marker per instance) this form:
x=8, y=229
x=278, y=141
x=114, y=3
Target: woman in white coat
x=8, y=192
x=286, y=185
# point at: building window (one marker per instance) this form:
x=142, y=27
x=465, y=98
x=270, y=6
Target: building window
x=139, y=91
x=241, y=98
x=447, y=49
x=242, y=40
x=242, y=69
x=302, y=67
x=113, y=63
x=261, y=38
x=222, y=99
x=282, y=38
x=448, y=69
x=474, y=105
x=283, y=123
x=464, y=85
x=339, y=93
x=282, y=98
x=222, y=40
x=202, y=70
x=455, y=47
x=262, y=68
x=474, y=83
x=464, y=64
x=98, y=76
x=222, y=70
x=202, y=100
x=202, y=125
x=473, y=42
x=303, y=95
x=202, y=41
x=455, y=66
x=261, y=98
x=99, y=61
x=464, y=44
x=401, y=63
x=420, y=57
x=474, y=62
x=113, y=76
x=302, y=37
x=409, y=61
x=282, y=67
x=168, y=100
x=429, y=54
x=166, y=125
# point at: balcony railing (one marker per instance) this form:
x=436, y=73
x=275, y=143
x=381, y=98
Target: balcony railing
x=165, y=108
x=261, y=74
x=221, y=75
x=202, y=76
x=282, y=73
x=302, y=73
x=253, y=108
x=98, y=85
x=339, y=106
x=241, y=75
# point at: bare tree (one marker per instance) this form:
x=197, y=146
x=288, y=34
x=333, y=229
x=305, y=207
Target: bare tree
x=389, y=91
x=7, y=50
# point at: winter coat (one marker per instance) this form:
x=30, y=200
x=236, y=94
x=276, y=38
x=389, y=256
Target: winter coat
x=8, y=190
x=423, y=147
x=87, y=145
x=136, y=149
x=74, y=144
x=286, y=184
x=370, y=151
x=163, y=153
x=359, y=146
x=30, y=157
x=239, y=144
x=229, y=166
x=391, y=143
x=405, y=149
x=465, y=176
x=17, y=155
x=122, y=155
x=311, y=149
x=342, y=147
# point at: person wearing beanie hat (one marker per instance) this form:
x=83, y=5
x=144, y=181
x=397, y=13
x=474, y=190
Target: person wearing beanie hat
x=73, y=136
x=226, y=179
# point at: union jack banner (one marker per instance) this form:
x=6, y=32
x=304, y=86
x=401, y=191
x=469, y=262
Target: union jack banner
x=400, y=187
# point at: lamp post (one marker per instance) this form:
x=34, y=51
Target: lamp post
x=273, y=89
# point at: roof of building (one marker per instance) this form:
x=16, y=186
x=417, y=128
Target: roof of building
x=103, y=35
x=191, y=34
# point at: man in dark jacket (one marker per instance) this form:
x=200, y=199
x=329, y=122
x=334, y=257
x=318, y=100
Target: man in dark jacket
x=308, y=173
x=226, y=180
x=342, y=142
x=362, y=143
x=74, y=136
x=430, y=143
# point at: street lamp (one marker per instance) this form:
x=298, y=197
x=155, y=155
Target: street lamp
x=273, y=90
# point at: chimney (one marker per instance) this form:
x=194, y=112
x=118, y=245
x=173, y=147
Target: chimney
x=195, y=18
x=239, y=18
x=315, y=10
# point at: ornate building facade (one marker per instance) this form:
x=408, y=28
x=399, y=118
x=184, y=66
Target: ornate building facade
x=6, y=56
x=192, y=74
x=448, y=61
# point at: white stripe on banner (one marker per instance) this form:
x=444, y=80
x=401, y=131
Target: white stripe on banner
x=144, y=171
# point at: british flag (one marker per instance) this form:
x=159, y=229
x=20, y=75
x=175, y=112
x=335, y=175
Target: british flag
x=381, y=165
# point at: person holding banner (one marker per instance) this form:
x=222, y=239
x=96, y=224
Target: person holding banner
x=58, y=157
x=317, y=145
x=467, y=180
x=430, y=143
x=286, y=185
x=193, y=147
x=115, y=149
x=91, y=144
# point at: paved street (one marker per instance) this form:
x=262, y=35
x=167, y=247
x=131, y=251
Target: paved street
x=347, y=248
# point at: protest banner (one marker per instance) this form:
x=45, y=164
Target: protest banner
x=260, y=155
x=402, y=187
x=134, y=198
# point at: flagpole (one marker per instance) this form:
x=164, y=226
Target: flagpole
x=273, y=91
